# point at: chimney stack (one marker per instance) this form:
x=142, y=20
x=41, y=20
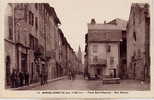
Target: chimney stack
x=105, y=22
x=93, y=21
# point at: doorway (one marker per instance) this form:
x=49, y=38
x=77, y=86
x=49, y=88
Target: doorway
x=8, y=62
x=98, y=72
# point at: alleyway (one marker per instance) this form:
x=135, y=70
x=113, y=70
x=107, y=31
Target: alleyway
x=80, y=84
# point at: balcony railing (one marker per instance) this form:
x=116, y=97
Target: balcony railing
x=100, y=61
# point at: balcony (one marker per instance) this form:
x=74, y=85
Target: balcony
x=100, y=62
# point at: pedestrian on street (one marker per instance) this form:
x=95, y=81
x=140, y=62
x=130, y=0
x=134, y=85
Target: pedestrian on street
x=70, y=75
x=41, y=79
x=24, y=79
x=88, y=75
x=17, y=80
x=46, y=78
x=13, y=79
x=27, y=78
x=21, y=78
x=73, y=75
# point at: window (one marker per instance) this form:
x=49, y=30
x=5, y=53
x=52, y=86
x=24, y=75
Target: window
x=19, y=6
x=31, y=41
x=108, y=49
x=10, y=22
x=134, y=35
x=95, y=59
x=24, y=62
x=31, y=18
x=107, y=36
x=36, y=6
x=139, y=53
x=36, y=23
x=26, y=13
x=36, y=43
x=95, y=47
x=111, y=60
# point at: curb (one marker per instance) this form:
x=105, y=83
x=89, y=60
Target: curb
x=37, y=84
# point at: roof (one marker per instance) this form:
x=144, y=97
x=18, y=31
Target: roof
x=140, y=8
x=107, y=32
x=52, y=12
x=119, y=22
x=105, y=27
x=141, y=5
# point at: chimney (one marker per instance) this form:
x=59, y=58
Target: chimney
x=105, y=22
x=93, y=21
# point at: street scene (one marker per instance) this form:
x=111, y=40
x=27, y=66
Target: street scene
x=80, y=84
x=49, y=49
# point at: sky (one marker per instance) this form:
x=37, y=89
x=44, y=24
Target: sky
x=76, y=14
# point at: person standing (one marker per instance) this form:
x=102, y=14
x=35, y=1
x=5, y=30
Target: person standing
x=27, y=78
x=73, y=75
x=21, y=78
x=24, y=78
x=41, y=79
x=46, y=78
x=13, y=79
x=17, y=79
x=69, y=75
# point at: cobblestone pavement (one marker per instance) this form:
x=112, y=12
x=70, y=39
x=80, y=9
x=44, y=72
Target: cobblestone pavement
x=80, y=84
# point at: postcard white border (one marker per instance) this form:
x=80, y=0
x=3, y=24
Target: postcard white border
x=38, y=94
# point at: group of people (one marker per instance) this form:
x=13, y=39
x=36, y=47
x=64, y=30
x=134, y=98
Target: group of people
x=19, y=79
x=71, y=75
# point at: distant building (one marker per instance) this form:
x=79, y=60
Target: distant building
x=103, y=49
x=138, y=42
x=79, y=55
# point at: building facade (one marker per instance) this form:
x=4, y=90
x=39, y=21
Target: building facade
x=123, y=47
x=138, y=45
x=103, y=49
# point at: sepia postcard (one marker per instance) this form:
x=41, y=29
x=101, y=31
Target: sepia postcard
x=76, y=48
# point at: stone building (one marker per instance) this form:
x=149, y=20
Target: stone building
x=138, y=42
x=62, y=53
x=29, y=39
x=103, y=49
x=34, y=43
